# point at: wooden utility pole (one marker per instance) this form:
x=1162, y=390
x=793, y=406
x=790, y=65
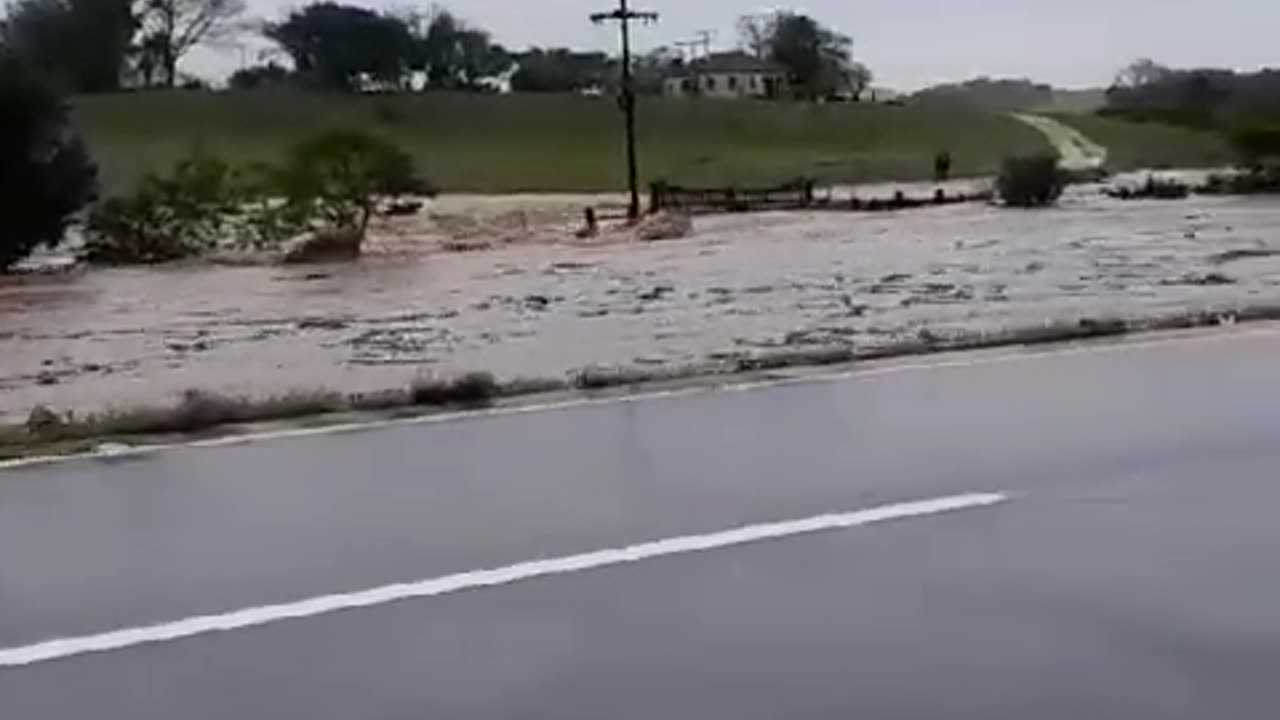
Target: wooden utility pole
x=624, y=15
x=703, y=40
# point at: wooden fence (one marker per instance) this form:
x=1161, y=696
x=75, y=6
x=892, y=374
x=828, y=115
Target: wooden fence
x=797, y=195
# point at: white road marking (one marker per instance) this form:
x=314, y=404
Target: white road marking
x=858, y=371
x=252, y=617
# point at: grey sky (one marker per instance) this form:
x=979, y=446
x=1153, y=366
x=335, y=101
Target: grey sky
x=911, y=43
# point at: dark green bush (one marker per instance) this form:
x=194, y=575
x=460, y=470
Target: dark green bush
x=342, y=174
x=166, y=218
x=1030, y=181
x=46, y=175
x=333, y=182
x=471, y=390
x=1255, y=146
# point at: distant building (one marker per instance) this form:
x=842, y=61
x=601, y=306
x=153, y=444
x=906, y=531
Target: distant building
x=728, y=75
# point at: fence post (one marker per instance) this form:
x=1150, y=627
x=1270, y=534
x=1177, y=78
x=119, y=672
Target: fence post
x=657, y=196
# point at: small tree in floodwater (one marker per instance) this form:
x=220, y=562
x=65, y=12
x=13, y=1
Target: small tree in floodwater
x=46, y=175
x=1030, y=181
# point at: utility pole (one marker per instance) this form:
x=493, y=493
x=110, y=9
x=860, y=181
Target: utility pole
x=624, y=15
x=704, y=38
x=688, y=48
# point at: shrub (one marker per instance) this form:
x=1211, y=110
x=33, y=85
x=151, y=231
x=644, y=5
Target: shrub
x=1030, y=181
x=1260, y=180
x=471, y=390
x=46, y=175
x=166, y=218
x=1254, y=146
x=340, y=175
x=331, y=182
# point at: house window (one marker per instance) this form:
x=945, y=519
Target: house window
x=733, y=82
x=754, y=83
x=687, y=86
x=711, y=84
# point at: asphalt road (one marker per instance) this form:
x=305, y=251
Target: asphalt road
x=1131, y=571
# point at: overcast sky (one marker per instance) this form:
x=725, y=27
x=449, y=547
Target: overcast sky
x=911, y=43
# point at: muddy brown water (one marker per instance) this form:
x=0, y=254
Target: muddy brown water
x=743, y=284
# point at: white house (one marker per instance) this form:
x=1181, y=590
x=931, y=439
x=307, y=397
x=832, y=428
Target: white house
x=728, y=75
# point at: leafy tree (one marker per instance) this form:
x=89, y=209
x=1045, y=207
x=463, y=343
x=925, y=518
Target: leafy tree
x=82, y=44
x=339, y=47
x=560, y=70
x=46, y=175
x=456, y=56
x=819, y=60
x=342, y=174
x=172, y=28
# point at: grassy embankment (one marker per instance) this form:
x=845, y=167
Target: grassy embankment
x=1139, y=145
x=470, y=143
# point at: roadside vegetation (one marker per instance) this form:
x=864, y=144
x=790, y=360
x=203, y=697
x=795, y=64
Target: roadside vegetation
x=46, y=175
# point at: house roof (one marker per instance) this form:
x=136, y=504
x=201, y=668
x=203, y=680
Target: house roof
x=732, y=62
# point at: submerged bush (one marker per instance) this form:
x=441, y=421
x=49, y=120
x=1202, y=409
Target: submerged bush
x=1261, y=180
x=46, y=175
x=342, y=174
x=166, y=217
x=332, y=182
x=1030, y=181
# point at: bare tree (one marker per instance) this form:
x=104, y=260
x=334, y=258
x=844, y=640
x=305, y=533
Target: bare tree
x=755, y=33
x=171, y=28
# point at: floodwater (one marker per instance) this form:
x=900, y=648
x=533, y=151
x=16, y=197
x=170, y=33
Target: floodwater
x=543, y=307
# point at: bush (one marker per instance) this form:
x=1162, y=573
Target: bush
x=1030, y=181
x=475, y=389
x=340, y=176
x=166, y=218
x=1260, y=180
x=46, y=175
x=330, y=183
x=1254, y=146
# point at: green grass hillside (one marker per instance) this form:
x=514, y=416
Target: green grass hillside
x=558, y=143
x=1135, y=145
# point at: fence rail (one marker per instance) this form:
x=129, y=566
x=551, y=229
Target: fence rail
x=796, y=195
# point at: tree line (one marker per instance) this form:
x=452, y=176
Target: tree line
x=340, y=47
x=92, y=46
x=1245, y=107
x=1201, y=97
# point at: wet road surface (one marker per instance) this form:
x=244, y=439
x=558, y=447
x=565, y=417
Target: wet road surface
x=1130, y=572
